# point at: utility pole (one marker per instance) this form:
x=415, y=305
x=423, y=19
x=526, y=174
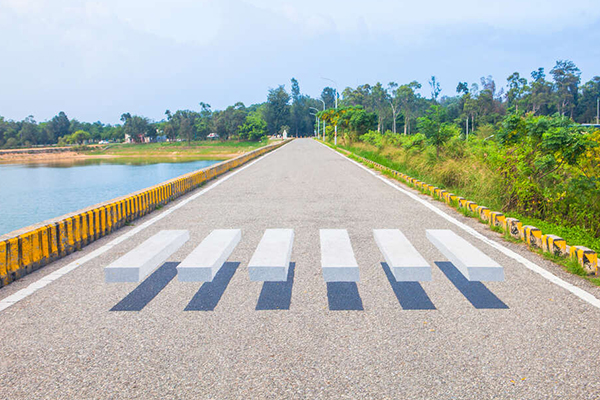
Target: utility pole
x=467, y=128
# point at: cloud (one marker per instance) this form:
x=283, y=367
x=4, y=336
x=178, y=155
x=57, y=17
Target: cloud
x=98, y=59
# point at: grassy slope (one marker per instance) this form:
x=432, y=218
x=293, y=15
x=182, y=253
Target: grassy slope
x=468, y=177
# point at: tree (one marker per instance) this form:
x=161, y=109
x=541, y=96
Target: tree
x=392, y=86
x=278, y=109
x=301, y=122
x=517, y=87
x=57, y=127
x=328, y=96
x=254, y=129
x=137, y=128
x=541, y=93
x=379, y=104
x=203, y=122
x=186, y=130
x=588, y=101
x=29, y=132
x=78, y=137
x=462, y=87
x=566, y=78
x=407, y=99
x=435, y=88
x=436, y=131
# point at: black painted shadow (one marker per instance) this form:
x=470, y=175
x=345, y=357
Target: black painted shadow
x=410, y=295
x=344, y=296
x=209, y=294
x=277, y=295
x=148, y=289
x=476, y=292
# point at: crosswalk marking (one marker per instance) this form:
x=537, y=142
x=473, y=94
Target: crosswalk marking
x=469, y=260
x=145, y=258
x=405, y=262
x=270, y=263
x=271, y=260
x=203, y=263
x=337, y=258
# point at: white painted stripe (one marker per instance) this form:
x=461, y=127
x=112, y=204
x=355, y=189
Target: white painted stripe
x=468, y=259
x=101, y=250
x=271, y=260
x=577, y=291
x=139, y=262
x=337, y=258
x=402, y=258
x=202, y=264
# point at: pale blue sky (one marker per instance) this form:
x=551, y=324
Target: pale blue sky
x=97, y=59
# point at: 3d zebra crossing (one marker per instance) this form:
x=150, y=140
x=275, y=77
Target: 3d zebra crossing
x=271, y=260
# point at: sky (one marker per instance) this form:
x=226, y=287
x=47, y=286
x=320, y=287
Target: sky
x=96, y=60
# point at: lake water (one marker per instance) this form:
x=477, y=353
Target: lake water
x=32, y=193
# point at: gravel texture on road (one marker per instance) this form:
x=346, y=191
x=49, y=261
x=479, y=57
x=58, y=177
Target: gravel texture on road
x=524, y=338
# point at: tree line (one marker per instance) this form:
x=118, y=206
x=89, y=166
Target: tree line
x=475, y=104
x=282, y=111
x=399, y=108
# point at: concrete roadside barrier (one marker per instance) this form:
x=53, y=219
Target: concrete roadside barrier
x=32, y=247
x=532, y=236
x=555, y=245
x=587, y=258
x=513, y=227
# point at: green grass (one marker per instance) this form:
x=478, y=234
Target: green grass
x=496, y=229
x=481, y=191
x=183, y=150
x=574, y=235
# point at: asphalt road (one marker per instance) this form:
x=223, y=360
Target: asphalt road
x=80, y=338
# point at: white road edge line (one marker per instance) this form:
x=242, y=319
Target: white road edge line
x=35, y=286
x=577, y=291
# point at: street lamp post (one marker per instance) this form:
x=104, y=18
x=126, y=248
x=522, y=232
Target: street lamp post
x=317, y=118
x=336, y=106
x=323, y=136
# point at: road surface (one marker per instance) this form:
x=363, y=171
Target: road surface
x=81, y=338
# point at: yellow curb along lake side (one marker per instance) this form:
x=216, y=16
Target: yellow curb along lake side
x=28, y=249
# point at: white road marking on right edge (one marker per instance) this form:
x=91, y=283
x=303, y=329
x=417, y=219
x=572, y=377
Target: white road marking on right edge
x=577, y=291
